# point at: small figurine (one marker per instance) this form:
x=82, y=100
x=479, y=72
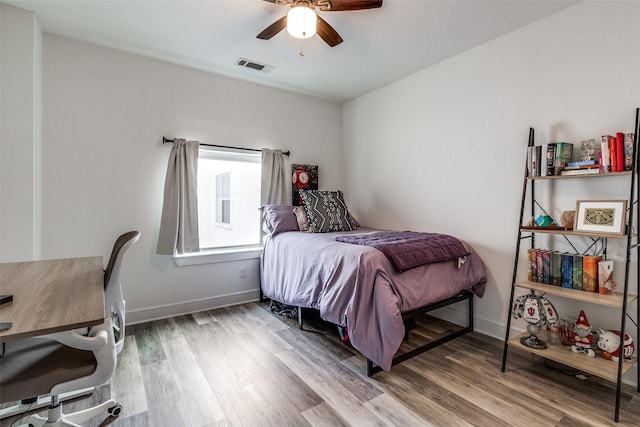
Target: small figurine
x=609, y=343
x=583, y=336
x=544, y=221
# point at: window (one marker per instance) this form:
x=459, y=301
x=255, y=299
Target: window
x=223, y=199
x=228, y=199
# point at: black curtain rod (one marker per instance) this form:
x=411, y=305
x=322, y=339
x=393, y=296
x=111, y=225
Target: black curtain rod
x=166, y=140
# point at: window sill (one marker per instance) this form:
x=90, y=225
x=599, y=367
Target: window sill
x=214, y=256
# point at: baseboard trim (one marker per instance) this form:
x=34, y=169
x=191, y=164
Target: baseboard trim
x=186, y=307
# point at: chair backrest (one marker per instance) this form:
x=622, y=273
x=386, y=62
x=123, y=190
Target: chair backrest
x=114, y=301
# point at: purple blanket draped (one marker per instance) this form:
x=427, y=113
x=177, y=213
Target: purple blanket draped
x=409, y=249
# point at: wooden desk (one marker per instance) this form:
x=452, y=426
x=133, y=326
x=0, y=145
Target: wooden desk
x=51, y=296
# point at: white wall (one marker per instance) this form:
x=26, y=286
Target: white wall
x=105, y=113
x=441, y=150
x=20, y=134
x=444, y=149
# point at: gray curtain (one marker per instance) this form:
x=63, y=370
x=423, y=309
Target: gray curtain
x=179, y=222
x=275, y=183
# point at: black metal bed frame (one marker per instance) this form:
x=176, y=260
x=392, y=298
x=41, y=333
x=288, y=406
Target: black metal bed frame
x=410, y=316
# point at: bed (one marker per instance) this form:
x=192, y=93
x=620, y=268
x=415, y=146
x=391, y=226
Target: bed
x=356, y=286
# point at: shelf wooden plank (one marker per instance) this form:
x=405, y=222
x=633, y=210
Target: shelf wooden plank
x=573, y=233
x=595, y=175
x=612, y=300
x=597, y=366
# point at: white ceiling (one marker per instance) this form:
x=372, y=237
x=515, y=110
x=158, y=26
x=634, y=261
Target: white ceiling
x=380, y=45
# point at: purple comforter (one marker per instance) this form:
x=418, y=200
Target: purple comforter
x=409, y=249
x=356, y=286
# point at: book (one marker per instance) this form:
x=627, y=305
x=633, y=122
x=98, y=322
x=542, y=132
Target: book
x=546, y=267
x=600, y=164
x=577, y=272
x=543, y=160
x=586, y=171
x=590, y=272
x=593, y=166
x=563, y=155
x=605, y=277
x=534, y=160
x=551, y=155
x=539, y=262
x=567, y=270
x=605, y=159
x=556, y=268
x=581, y=163
x=529, y=266
x=534, y=265
x=619, y=151
x=531, y=161
x=613, y=155
x=628, y=151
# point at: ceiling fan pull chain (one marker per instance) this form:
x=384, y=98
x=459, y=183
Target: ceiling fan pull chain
x=301, y=47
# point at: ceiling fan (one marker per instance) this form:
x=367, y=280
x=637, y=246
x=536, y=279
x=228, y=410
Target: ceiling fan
x=321, y=27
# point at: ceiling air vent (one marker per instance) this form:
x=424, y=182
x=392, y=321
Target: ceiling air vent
x=247, y=63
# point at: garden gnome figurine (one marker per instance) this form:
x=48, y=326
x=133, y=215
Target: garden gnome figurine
x=583, y=336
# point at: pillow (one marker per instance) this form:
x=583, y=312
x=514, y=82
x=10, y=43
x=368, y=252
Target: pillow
x=326, y=210
x=279, y=218
x=301, y=217
x=354, y=221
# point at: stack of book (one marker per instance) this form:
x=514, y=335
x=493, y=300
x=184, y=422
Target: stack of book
x=615, y=155
x=563, y=269
x=584, y=167
x=549, y=159
x=616, y=152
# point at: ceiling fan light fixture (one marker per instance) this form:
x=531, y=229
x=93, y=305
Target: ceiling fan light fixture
x=301, y=22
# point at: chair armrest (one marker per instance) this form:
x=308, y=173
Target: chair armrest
x=97, y=338
x=82, y=342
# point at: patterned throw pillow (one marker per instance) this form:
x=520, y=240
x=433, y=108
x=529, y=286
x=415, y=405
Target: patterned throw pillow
x=302, y=218
x=326, y=210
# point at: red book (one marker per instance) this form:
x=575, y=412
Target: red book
x=613, y=153
x=620, y=151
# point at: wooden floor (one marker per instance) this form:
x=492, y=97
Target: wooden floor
x=245, y=366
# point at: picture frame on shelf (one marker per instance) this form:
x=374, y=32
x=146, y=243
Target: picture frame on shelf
x=601, y=216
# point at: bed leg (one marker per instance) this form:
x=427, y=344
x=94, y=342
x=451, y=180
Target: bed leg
x=409, y=325
x=299, y=317
x=372, y=369
x=471, y=312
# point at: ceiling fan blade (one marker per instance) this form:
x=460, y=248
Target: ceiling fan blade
x=340, y=5
x=327, y=33
x=273, y=29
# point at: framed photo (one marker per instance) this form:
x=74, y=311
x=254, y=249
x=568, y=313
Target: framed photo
x=601, y=216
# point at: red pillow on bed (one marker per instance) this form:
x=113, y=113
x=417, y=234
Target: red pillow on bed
x=279, y=218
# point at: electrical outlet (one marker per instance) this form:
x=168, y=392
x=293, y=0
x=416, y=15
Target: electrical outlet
x=243, y=272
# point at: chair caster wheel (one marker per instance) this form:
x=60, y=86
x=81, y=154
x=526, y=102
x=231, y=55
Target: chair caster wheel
x=115, y=410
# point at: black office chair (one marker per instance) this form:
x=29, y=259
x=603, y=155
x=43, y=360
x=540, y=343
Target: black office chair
x=66, y=362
